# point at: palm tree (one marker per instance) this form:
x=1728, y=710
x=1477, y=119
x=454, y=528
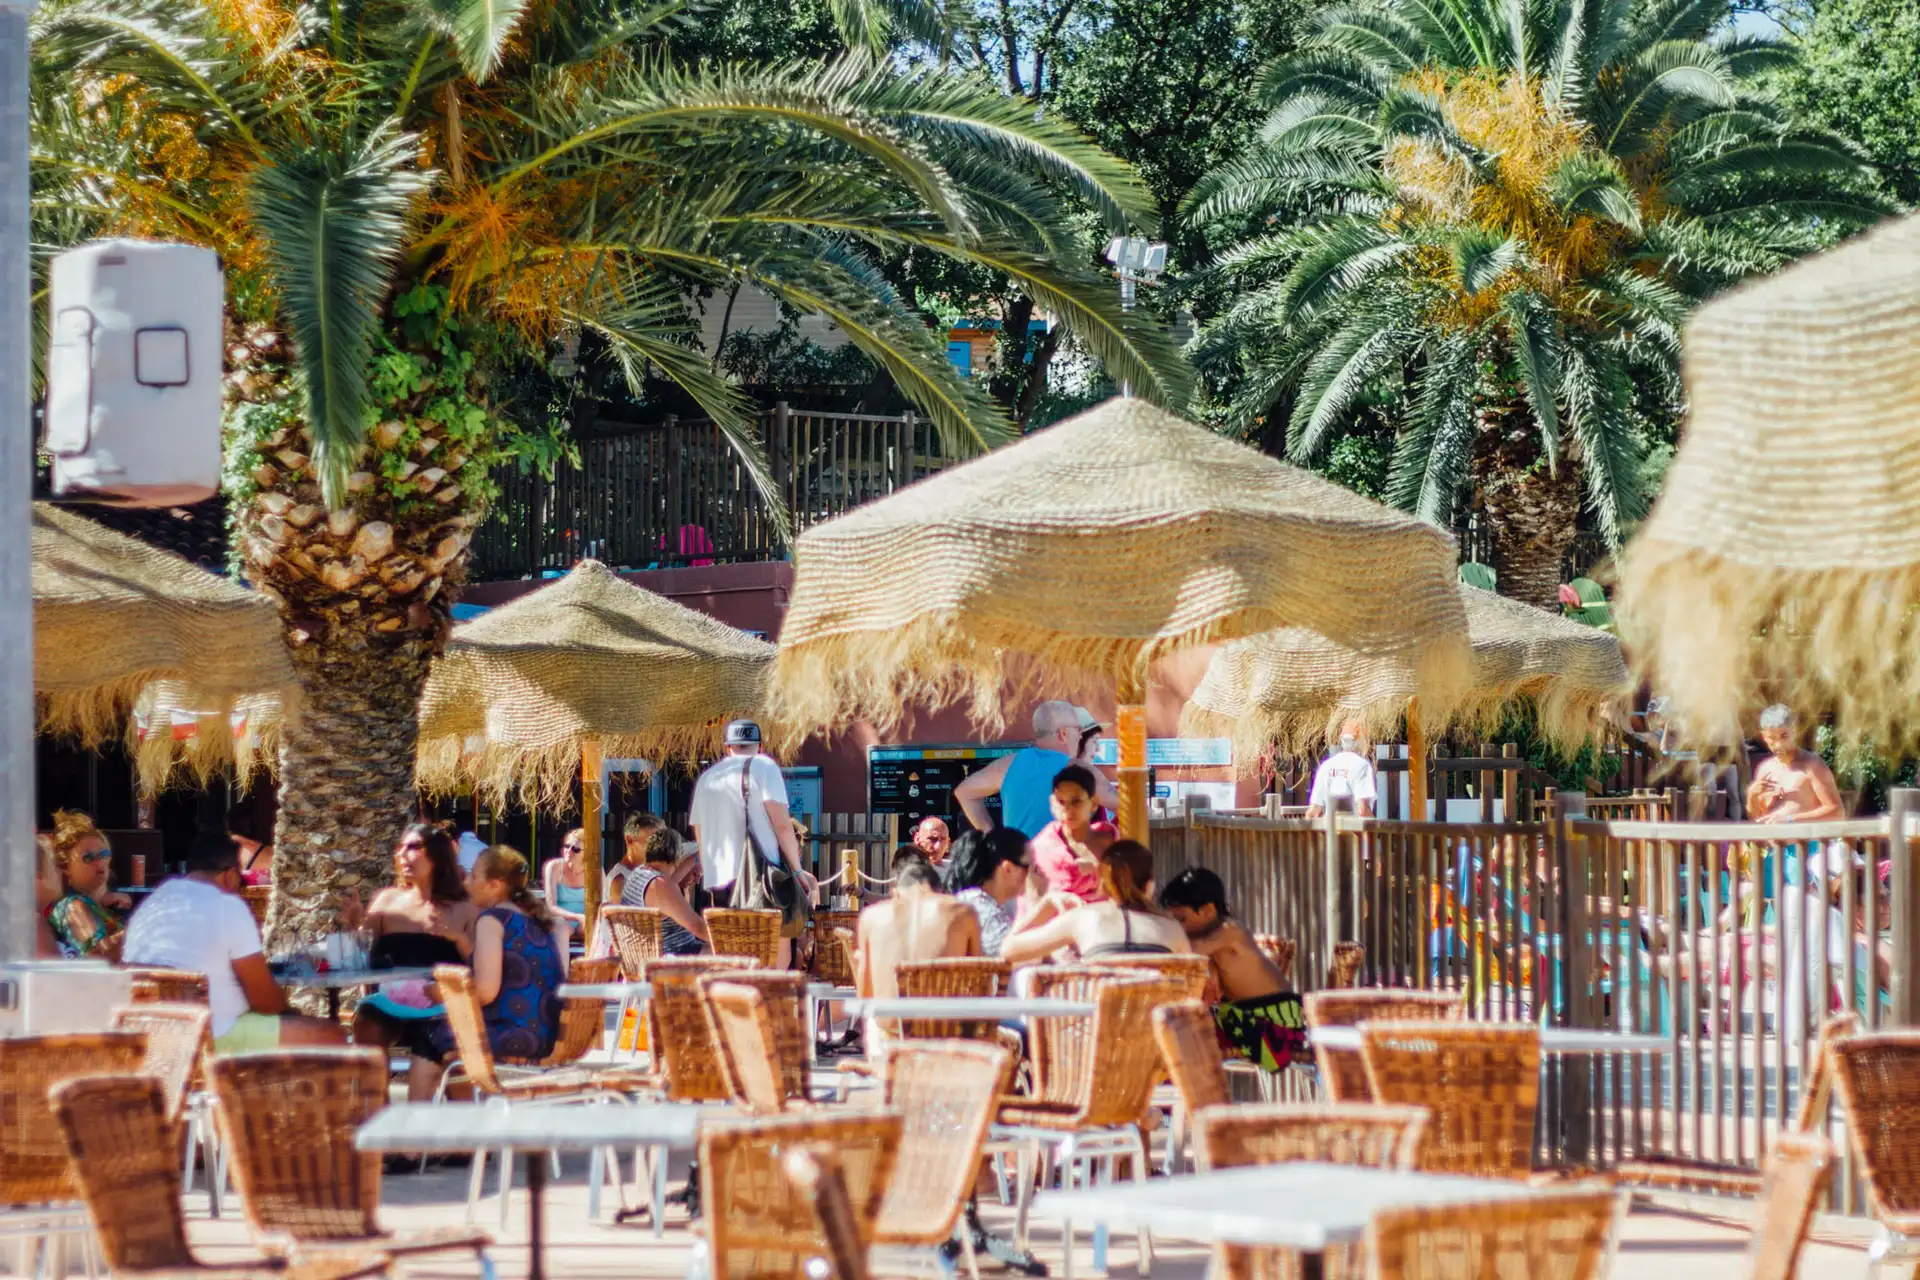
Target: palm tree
x=411, y=195
x=1492, y=216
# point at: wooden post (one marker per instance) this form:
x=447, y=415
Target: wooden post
x=1510, y=785
x=1416, y=764
x=590, y=821
x=1575, y=1073
x=1131, y=725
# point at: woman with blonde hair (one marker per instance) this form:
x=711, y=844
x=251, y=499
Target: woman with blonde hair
x=85, y=920
x=564, y=881
x=519, y=963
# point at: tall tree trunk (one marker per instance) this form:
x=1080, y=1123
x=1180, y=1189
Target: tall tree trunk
x=346, y=771
x=1533, y=511
x=365, y=594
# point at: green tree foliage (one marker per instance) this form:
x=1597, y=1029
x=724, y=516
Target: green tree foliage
x=1495, y=215
x=1859, y=75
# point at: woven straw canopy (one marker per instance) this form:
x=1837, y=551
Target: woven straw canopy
x=1293, y=687
x=120, y=626
x=1783, y=558
x=1090, y=549
x=523, y=687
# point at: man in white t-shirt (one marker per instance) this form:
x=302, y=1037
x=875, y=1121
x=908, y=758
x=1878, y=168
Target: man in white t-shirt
x=200, y=923
x=723, y=806
x=1345, y=778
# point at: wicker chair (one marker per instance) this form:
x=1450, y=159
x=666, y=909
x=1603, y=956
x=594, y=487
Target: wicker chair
x=1480, y=1082
x=1093, y=1079
x=974, y=976
x=1352, y=1134
x=1190, y=1050
x=37, y=1189
x=816, y=1176
x=168, y=986
x=754, y=935
x=636, y=933
x=1560, y=1235
x=833, y=954
x=115, y=1135
x=686, y=1054
x=512, y=1081
x=1799, y=1171
x=178, y=1038
x=1345, y=969
x=759, y=1024
x=290, y=1119
x=945, y=1094
x=755, y=1222
x=1878, y=1079
x=1189, y=973
x=1279, y=950
x=583, y=1023
x=1663, y=1173
x=1343, y=1076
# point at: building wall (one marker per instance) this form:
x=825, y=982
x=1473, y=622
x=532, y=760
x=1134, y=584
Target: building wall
x=754, y=597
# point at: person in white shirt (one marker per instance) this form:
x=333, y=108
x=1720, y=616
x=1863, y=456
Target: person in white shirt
x=1345, y=777
x=743, y=787
x=200, y=923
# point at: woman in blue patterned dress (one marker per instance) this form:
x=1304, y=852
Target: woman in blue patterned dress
x=517, y=971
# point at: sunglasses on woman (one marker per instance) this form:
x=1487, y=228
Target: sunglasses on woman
x=572, y=847
x=93, y=859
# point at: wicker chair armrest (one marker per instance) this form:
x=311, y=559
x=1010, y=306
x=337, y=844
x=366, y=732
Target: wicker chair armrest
x=433, y=1240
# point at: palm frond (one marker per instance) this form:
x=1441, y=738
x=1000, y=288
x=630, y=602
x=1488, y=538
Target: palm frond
x=1534, y=331
x=335, y=225
x=1431, y=454
x=479, y=30
x=1593, y=184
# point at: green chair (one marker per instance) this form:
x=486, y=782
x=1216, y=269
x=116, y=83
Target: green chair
x=1475, y=574
x=1593, y=608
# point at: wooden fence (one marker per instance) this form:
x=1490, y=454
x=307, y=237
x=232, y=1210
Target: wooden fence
x=676, y=493
x=1728, y=939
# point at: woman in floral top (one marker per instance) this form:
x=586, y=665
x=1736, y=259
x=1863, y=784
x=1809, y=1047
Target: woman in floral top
x=85, y=920
x=988, y=871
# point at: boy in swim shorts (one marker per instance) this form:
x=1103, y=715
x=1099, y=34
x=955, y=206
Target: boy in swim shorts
x=1255, y=1016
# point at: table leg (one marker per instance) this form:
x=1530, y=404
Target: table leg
x=536, y=1216
x=333, y=1004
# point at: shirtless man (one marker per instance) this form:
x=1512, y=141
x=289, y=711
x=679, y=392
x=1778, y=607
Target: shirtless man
x=917, y=923
x=1790, y=785
x=1256, y=1016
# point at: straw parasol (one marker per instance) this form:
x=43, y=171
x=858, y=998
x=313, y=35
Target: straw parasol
x=1090, y=549
x=591, y=657
x=1783, y=558
x=1294, y=687
x=118, y=625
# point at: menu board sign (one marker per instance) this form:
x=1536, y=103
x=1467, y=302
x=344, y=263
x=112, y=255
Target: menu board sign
x=918, y=781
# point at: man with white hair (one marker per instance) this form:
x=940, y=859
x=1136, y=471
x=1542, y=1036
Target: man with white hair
x=1790, y=785
x=1344, y=780
x=1024, y=780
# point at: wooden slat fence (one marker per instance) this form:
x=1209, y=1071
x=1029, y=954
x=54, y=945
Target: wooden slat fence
x=1715, y=935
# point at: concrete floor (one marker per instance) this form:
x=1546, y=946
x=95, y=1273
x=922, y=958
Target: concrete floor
x=1655, y=1244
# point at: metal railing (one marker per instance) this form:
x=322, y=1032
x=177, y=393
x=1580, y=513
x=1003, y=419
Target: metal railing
x=675, y=493
x=1732, y=940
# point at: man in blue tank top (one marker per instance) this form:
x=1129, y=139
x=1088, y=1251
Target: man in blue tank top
x=1024, y=780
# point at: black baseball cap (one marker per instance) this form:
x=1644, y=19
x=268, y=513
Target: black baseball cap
x=742, y=733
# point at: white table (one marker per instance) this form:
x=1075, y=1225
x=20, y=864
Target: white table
x=454, y=1127
x=1308, y=1207
x=333, y=981
x=607, y=991
x=1552, y=1040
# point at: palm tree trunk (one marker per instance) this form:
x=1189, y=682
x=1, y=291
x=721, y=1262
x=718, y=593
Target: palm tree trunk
x=346, y=770
x=1533, y=510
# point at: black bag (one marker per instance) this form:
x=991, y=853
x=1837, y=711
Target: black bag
x=766, y=884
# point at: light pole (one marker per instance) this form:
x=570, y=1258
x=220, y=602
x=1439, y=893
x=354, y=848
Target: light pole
x=1136, y=261
x=16, y=498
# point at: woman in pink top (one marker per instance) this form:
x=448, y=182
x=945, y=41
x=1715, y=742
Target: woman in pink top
x=1066, y=853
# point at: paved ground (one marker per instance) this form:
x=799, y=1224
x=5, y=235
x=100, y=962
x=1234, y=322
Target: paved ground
x=1654, y=1246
